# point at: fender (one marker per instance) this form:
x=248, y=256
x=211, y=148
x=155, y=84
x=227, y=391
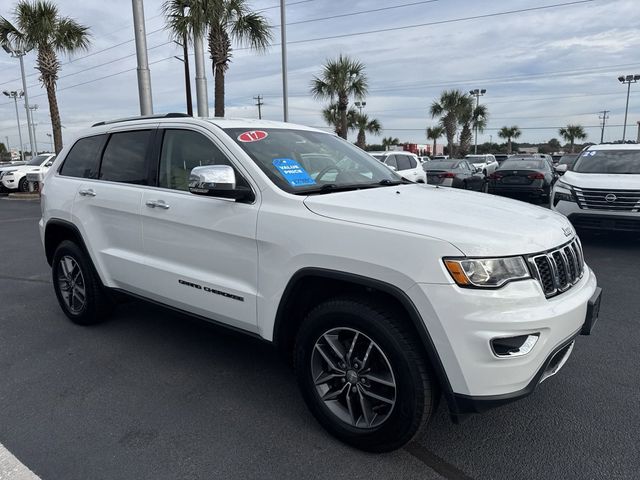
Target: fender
x=393, y=291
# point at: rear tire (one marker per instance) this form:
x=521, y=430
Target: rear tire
x=374, y=415
x=78, y=288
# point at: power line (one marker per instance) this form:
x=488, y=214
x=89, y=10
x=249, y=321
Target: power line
x=288, y=5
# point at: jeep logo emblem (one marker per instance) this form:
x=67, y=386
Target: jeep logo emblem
x=566, y=231
x=610, y=198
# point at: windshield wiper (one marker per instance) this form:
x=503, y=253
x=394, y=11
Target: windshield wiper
x=334, y=187
x=387, y=182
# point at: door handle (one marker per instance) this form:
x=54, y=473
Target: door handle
x=87, y=192
x=157, y=203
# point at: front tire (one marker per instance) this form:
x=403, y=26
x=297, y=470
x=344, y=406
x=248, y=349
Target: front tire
x=363, y=375
x=78, y=289
x=23, y=185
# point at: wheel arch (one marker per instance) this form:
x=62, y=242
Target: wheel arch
x=58, y=230
x=310, y=286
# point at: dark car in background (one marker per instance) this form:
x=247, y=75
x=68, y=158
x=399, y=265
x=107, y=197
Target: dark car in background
x=454, y=173
x=523, y=178
x=501, y=157
x=568, y=159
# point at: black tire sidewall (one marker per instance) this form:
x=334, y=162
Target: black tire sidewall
x=88, y=315
x=23, y=185
x=410, y=394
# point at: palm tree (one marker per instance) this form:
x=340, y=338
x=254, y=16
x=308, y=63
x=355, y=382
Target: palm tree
x=472, y=117
x=223, y=21
x=389, y=141
x=571, y=133
x=178, y=23
x=449, y=107
x=339, y=80
x=509, y=133
x=434, y=133
x=38, y=25
x=331, y=116
x=364, y=124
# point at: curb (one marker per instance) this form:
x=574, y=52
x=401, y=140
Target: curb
x=23, y=196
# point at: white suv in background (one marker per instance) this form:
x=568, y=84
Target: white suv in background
x=405, y=163
x=384, y=293
x=486, y=164
x=15, y=178
x=602, y=189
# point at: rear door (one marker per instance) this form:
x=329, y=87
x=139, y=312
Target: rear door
x=201, y=252
x=108, y=208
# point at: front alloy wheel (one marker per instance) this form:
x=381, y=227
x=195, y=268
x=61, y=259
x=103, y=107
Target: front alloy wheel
x=353, y=377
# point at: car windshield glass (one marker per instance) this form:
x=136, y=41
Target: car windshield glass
x=37, y=160
x=523, y=165
x=440, y=165
x=300, y=161
x=378, y=156
x=608, y=161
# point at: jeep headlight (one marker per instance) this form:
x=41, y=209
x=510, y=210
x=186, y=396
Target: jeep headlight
x=486, y=272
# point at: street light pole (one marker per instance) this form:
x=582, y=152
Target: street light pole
x=477, y=92
x=15, y=95
x=283, y=41
x=144, y=75
x=33, y=126
x=360, y=106
x=628, y=79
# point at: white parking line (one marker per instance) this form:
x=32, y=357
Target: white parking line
x=12, y=469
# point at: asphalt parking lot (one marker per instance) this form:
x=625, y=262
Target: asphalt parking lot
x=151, y=394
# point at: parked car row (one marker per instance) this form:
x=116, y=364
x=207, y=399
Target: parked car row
x=14, y=177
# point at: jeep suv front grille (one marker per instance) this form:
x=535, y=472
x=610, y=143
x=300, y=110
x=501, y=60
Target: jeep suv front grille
x=612, y=200
x=559, y=269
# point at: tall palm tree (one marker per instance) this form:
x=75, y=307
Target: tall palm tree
x=364, y=124
x=508, y=133
x=339, y=80
x=471, y=117
x=434, y=133
x=331, y=116
x=449, y=108
x=571, y=133
x=38, y=25
x=223, y=22
x=389, y=141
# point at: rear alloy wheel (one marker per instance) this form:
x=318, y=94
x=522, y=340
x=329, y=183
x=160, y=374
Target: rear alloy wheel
x=78, y=289
x=363, y=375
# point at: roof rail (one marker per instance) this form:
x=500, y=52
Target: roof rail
x=143, y=117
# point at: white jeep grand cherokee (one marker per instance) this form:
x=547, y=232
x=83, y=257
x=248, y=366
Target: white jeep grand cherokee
x=386, y=294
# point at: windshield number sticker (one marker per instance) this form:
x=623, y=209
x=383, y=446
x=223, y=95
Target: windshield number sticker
x=293, y=172
x=252, y=136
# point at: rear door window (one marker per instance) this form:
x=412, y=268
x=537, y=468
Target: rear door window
x=391, y=161
x=403, y=162
x=84, y=157
x=124, y=158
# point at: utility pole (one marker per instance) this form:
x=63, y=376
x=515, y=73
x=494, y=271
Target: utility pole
x=144, y=75
x=477, y=93
x=259, y=103
x=283, y=41
x=33, y=126
x=201, y=79
x=604, y=117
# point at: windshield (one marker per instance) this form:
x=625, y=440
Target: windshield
x=301, y=161
x=37, y=160
x=434, y=165
x=608, y=161
x=523, y=165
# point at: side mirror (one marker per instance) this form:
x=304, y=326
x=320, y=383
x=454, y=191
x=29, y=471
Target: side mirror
x=561, y=169
x=48, y=164
x=217, y=181
x=391, y=167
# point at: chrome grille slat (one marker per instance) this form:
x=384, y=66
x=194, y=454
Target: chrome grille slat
x=594, y=199
x=559, y=269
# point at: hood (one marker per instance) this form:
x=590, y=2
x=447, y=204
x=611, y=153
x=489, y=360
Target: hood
x=602, y=180
x=478, y=224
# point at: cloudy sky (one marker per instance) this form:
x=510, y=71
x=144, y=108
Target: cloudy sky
x=542, y=68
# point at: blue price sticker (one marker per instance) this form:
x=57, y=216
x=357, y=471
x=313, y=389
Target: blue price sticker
x=293, y=172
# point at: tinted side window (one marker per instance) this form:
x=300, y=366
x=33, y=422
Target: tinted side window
x=412, y=162
x=403, y=162
x=124, y=158
x=183, y=150
x=82, y=160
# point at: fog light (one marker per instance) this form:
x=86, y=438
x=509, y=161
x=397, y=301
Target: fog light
x=514, y=346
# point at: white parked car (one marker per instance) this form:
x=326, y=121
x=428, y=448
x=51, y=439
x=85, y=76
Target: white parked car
x=602, y=189
x=384, y=293
x=486, y=164
x=405, y=163
x=15, y=178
